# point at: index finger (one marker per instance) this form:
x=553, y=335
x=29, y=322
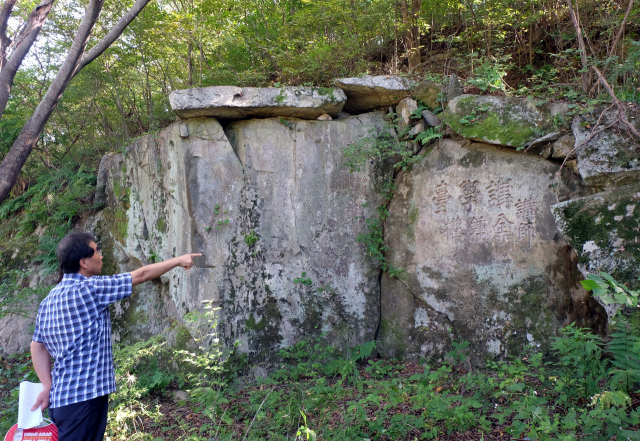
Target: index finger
x=196, y=255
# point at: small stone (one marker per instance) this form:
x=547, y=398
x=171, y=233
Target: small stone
x=404, y=110
x=431, y=119
x=180, y=395
x=415, y=130
x=324, y=117
x=572, y=165
x=564, y=147
x=547, y=152
x=184, y=131
x=454, y=88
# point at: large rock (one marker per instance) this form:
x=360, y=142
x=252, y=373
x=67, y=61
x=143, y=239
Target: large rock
x=275, y=214
x=610, y=158
x=604, y=229
x=167, y=195
x=429, y=93
x=369, y=93
x=483, y=261
x=499, y=120
x=231, y=102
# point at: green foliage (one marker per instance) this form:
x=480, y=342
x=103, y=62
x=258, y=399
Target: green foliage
x=490, y=73
x=303, y=280
x=610, y=291
x=251, y=238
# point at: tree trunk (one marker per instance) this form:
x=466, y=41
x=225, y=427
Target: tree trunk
x=583, y=49
x=74, y=62
x=411, y=34
x=24, y=42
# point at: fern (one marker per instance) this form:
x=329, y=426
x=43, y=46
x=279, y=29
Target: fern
x=625, y=350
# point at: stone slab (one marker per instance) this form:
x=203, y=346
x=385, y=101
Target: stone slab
x=368, y=93
x=483, y=260
x=231, y=102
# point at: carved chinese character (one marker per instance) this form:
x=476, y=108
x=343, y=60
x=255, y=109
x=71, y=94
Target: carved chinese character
x=503, y=225
x=526, y=218
x=500, y=193
x=478, y=227
x=452, y=228
x=469, y=193
x=441, y=198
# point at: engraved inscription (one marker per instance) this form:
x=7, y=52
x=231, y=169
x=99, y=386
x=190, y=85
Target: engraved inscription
x=526, y=213
x=500, y=193
x=470, y=193
x=479, y=227
x=441, y=198
x=453, y=228
x=503, y=226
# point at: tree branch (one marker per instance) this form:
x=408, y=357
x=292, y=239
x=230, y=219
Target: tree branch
x=23, y=44
x=112, y=36
x=622, y=110
x=5, y=14
x=28, y=137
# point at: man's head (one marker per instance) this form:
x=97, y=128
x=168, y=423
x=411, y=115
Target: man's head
x=78, y=253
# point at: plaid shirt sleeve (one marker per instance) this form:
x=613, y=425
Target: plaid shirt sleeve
x=37, y=337
x=110, y=289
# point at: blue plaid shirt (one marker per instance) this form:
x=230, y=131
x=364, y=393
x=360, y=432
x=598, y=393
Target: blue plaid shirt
x=75, y=326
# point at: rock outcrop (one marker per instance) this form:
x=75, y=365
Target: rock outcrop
x=609, y=157
x=470, y=225
x=275, y=213
x=429, y=93
x=230, y=102
x=512, y=122
x=369, y=93
x=604, y=230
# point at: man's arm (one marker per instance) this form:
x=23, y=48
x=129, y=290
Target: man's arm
x=150, y=272
x=42, y=364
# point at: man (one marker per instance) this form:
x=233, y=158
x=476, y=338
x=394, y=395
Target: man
x=74, y=326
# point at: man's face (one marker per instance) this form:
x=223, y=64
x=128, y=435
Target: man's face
x=93, y=265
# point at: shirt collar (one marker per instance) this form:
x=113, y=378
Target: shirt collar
x=74, y=276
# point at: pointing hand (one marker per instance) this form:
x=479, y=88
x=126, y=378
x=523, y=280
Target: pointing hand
x=186, y=261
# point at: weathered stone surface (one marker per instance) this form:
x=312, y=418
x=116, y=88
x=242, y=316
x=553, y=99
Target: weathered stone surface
x=431, y=119
x=370, y=93
x=404, y=110
x=428, y=92
x=165, y=196
x=564, y=147
x=483, y=260
x=512, y=122
x=276, y=217
x=15, y=335
x=610, y=158
x=231, y=102
x=604, y=230
x=307, y=210
x=454, y=89
x=16, y=330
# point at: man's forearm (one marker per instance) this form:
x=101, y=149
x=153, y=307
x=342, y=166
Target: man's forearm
x=150, y=272
x=41, y=363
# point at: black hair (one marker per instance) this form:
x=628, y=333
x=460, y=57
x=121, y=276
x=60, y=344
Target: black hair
x=73, y=248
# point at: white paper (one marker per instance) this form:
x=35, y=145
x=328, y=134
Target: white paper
x=28, y=396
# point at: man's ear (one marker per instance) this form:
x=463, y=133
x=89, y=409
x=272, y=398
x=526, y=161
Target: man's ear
x=83, y=264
